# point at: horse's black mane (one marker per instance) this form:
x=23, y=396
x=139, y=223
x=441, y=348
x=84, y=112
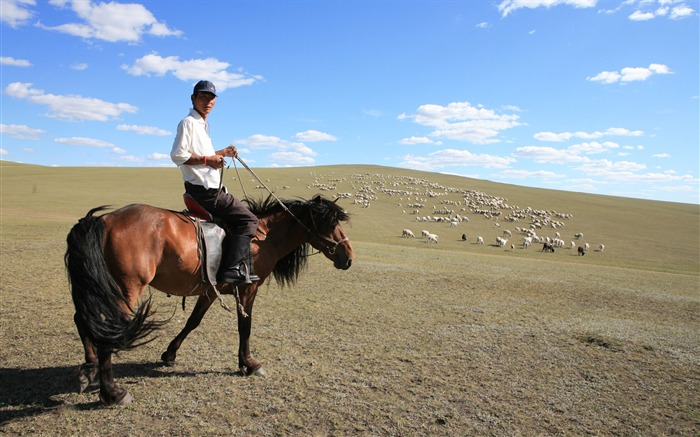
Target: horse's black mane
x=319, y=214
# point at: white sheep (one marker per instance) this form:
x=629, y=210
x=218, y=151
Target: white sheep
x=407, y=233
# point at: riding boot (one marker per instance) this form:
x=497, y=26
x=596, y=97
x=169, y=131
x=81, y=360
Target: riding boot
x=237, y=264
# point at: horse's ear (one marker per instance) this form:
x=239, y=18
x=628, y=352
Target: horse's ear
x=317, y=199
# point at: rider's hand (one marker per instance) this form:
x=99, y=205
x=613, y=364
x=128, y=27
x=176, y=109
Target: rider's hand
x=231, y=151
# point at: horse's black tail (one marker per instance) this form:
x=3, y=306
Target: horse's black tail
x=109, y=320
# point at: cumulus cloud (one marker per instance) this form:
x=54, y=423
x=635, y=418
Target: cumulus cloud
x=159, y=156
x=454, y=158
x=284, y=152
x=313, y=136
x=191, y=70
x=291, y=158
x=565, y=136
x=525, y=174
x=661, y=155
x=89, y=142
x=21, y=132
x=112, y=21
x=508, y=6
x=4, y=152
x=144, y=130
x=16, y=13
x=70, y=107
x=649, y=9
x=12, y=62
x=418, y=140
x=463, y=122
x=549, y=155
x=83, y=142
x=645, y=10
x=629, y=74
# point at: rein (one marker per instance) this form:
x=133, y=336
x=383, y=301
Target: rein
x=331, y=245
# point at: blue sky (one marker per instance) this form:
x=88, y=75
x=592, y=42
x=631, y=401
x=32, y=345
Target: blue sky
x=579, y=95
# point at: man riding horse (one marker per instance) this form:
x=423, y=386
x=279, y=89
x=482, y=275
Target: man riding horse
x=194, y=153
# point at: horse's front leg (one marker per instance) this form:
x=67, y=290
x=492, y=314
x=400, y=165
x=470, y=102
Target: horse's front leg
x=247, y=365
x=87, y=372
x=200, y=309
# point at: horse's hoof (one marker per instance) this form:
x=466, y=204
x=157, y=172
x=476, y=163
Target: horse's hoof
x=167, y=360
x=127, y=399
x=123, y=397
x=84, y=383
x=259, y=372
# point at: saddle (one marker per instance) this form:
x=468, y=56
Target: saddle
x=194, y=209
x=210, y=237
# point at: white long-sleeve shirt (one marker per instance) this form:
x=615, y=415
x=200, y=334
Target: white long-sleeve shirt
x=193, y=138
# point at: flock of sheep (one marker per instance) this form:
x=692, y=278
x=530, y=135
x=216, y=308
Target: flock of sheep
x=416, y=194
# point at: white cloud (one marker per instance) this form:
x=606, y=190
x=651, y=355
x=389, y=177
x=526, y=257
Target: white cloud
x=159, y=156
x=565, y=136
x=83, y=142
x=112, y=22
x=418, y=140
x=144, y=130
x=7, y=60
x=16, y=13
x=291, y=158
x=508, y=6
x=630, y=74
x=454, y=158
x=313, y=136
x=21, y=131
x=682, y=11
x=79, y=66
x=630, y=172
x=130, y=158
x=549, y=155
x=524, y=174
x=191, y=70
x=483, y=25
x=647, y=12
x=462, y=121
x=641, y=16
x=592, y=148
x=661, y=155
x=283, y=152
x=70, y=107
x=4, y=152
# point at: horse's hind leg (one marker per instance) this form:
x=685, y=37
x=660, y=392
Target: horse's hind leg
x=110, y=393
x=200, y=309
x=87, y=371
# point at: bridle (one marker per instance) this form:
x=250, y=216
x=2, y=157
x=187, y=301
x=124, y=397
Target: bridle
x=330, y=244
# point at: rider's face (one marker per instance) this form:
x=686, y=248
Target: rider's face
x=204, y=103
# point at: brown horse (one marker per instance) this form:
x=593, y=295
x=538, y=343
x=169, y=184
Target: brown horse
x=112, y=258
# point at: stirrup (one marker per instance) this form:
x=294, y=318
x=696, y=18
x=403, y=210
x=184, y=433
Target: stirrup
x=235, y=276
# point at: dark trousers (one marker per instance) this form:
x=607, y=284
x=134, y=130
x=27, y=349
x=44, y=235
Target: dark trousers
x=222, y=205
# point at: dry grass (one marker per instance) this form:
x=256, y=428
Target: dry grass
x=415, y=339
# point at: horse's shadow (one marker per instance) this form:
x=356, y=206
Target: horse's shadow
x=32, y=392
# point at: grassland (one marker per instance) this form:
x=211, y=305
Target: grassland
x=415, y=339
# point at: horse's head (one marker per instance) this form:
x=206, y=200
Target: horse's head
x=329, y=237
